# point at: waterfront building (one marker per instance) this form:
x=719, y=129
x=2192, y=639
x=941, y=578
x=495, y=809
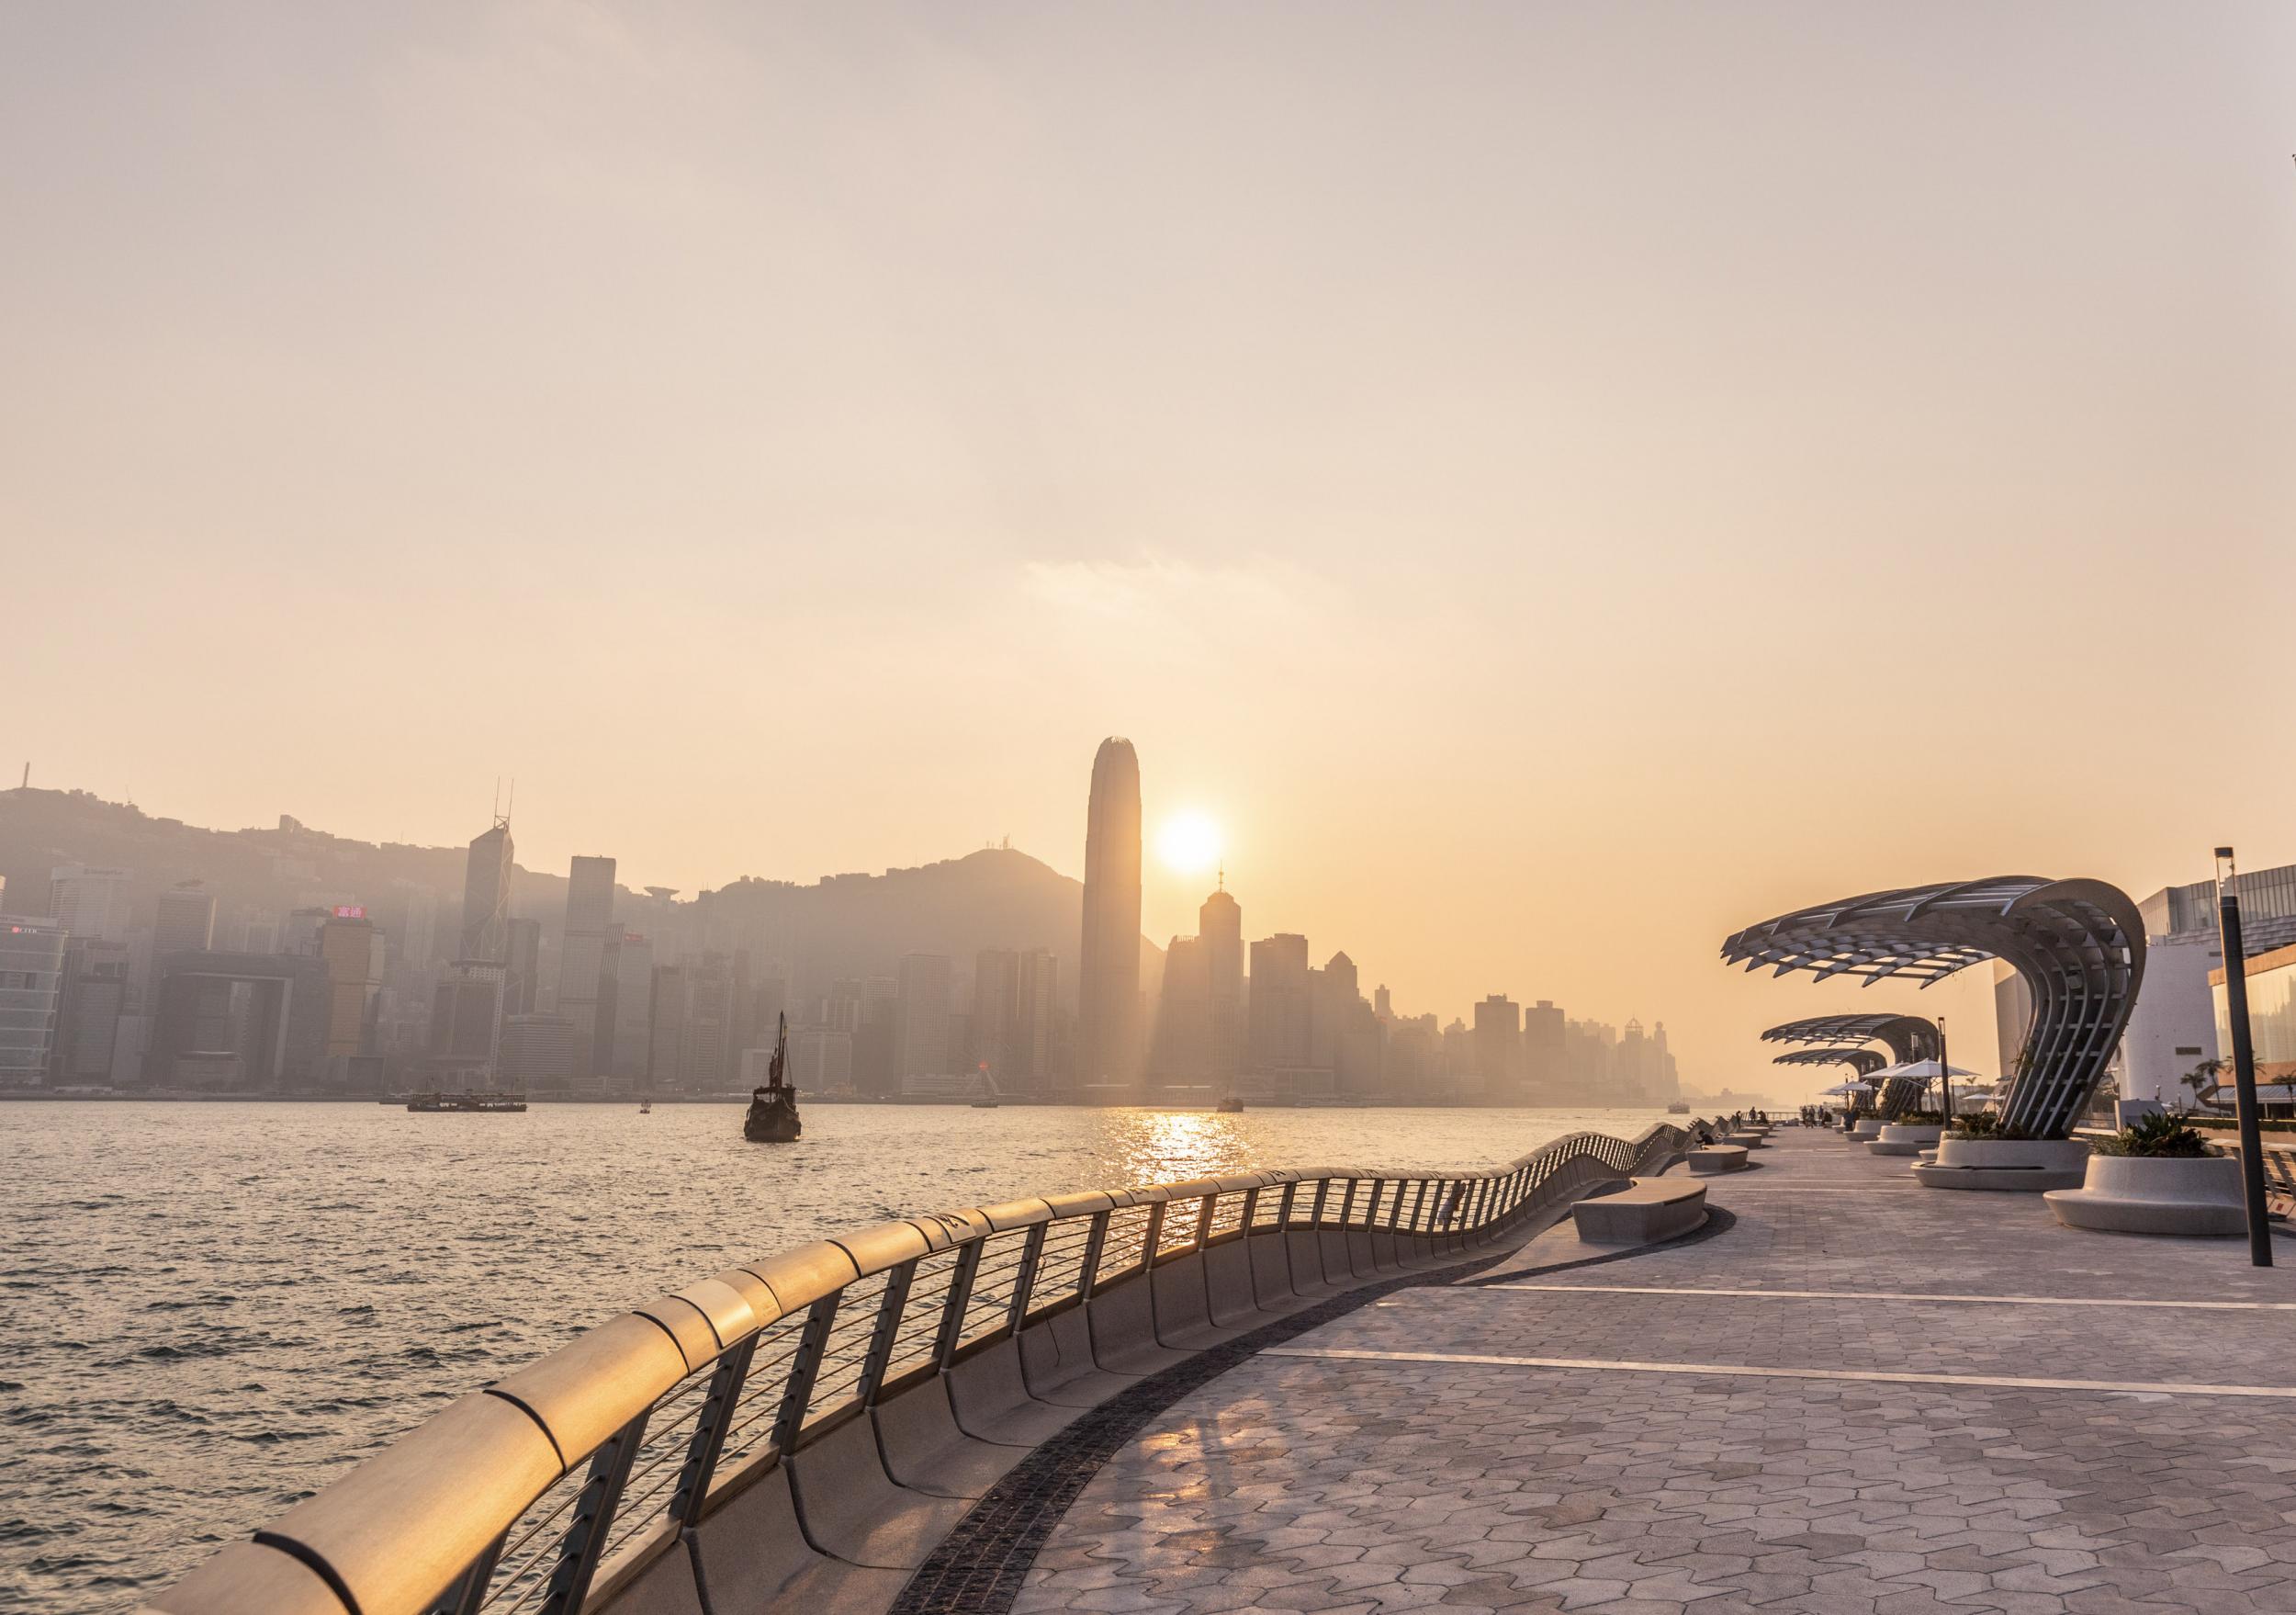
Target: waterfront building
x=1498, y=1049
x=537, y=1051
x=254, y=1022
x=352, y=946
x=627, y=1016
x=1545, y=1058
x=921, y=1015
x=1108, y=983
x=2271, y=1022
x=1182, y=1054
x=31, y=986
x=1277, y=1016
x=1015, y=995
x=486, y=896
x=667, y=1009
x=88, y=1012
x=1221, y=924
x=466, y=1043
x=88, y=901
x=187, y=920
x=582, y=977
x=524, y=959
x=710, y=1056
x=820, y=1061
x=2171, y=1039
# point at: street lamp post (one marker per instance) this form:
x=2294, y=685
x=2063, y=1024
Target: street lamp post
x=2243, y=1059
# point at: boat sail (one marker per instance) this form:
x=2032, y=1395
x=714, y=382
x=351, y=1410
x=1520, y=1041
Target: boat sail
x=773, y=1117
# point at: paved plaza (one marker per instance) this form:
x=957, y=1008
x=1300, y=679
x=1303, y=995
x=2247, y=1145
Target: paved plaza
x=1849, y=1396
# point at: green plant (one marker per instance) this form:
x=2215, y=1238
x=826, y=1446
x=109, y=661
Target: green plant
x=1920, y=1118
x=2160, y=1136
x=1987, y=1124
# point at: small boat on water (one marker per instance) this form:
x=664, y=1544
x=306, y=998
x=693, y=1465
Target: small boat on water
x=773, y=1117
x=1679, y=1108
x=646, y=1106
x=1230, y=1106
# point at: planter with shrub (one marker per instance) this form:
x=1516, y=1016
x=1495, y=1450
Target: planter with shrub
x=1980, y=1151
x=2157, y=1177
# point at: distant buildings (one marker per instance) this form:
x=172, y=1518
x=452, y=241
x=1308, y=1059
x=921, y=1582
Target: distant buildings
x=1108, y=974
x=921, y=1016
x=1277, y=1029
x=1015, y=1006
x=240, y=1023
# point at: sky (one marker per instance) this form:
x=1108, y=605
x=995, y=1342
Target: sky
x=1553, y=483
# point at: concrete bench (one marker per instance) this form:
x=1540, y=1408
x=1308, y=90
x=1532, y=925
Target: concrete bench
x=1718, y=1157
x=1746, y=1140
x=1648, y=1209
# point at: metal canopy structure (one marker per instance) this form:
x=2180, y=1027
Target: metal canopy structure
x=1863, y=1061
x=1891, y=1097
x=2079, y=945
x=1909, y=1037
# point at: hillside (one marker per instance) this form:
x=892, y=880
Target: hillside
x=845, y=925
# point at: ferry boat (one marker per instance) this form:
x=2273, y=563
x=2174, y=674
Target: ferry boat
x=1230, y=1106
x=1681, y=1107
x=773, y=1117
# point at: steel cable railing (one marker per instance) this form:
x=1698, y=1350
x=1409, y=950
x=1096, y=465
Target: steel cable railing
x=513, y=1500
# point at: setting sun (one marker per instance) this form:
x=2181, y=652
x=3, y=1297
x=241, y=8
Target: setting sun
x=1188, y=843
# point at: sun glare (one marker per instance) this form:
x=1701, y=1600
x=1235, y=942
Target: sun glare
x=1188, y=843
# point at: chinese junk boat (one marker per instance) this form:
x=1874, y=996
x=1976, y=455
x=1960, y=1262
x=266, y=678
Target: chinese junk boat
x=773, y=1117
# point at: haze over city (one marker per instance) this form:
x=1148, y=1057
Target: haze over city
x=1548, y=500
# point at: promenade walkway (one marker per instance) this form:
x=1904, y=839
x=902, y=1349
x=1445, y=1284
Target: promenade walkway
x=1849, y=1396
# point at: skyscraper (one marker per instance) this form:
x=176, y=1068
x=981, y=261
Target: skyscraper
x=524, y=958
x=582, y=958
x=1108, y=985
x=93, y=903
x=1278, y=1021
x=486, y=897
x=1220, y=925
x=1498, y=1049
x=187, y=920
x=921, y=1015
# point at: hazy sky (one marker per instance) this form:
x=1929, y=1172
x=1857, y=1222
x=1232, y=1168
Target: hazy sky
x=1556, y=482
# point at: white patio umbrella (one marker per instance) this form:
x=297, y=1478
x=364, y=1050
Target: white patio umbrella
x=1849, y=1087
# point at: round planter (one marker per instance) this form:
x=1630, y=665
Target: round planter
x=1905, y=1138
x=1868, y=1127
x=2018, y=1165
x=2198, y=1197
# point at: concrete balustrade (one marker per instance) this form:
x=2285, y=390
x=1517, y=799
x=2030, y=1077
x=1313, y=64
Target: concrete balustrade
x=804, y=1431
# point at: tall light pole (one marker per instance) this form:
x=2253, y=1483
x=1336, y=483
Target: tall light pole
x=2243, y=1059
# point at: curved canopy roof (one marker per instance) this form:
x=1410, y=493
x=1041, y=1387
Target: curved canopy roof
x=2079, y=945
x=1865, y=1061
x=1909, y=1037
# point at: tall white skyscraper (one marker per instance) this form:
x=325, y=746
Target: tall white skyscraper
x=582, y=957
x=89, y=902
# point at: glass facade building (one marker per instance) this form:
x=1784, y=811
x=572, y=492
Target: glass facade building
x=31, y=982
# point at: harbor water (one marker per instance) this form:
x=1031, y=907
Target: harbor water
x=213, y=1309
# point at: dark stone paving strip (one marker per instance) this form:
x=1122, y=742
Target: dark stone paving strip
x=979, y=1567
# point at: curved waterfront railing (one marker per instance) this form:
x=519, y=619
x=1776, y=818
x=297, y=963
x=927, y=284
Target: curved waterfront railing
x=781, y=1393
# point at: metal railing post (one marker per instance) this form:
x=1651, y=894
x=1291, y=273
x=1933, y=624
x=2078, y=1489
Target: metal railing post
x=1203, y=1221
x=951, y=1330
x=710, y=1427
x=1153, y=1237
x=1024, y=1281
x=804, y=1364
x=888, y=1329
x=584, y=1542
x=1095, y=1240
